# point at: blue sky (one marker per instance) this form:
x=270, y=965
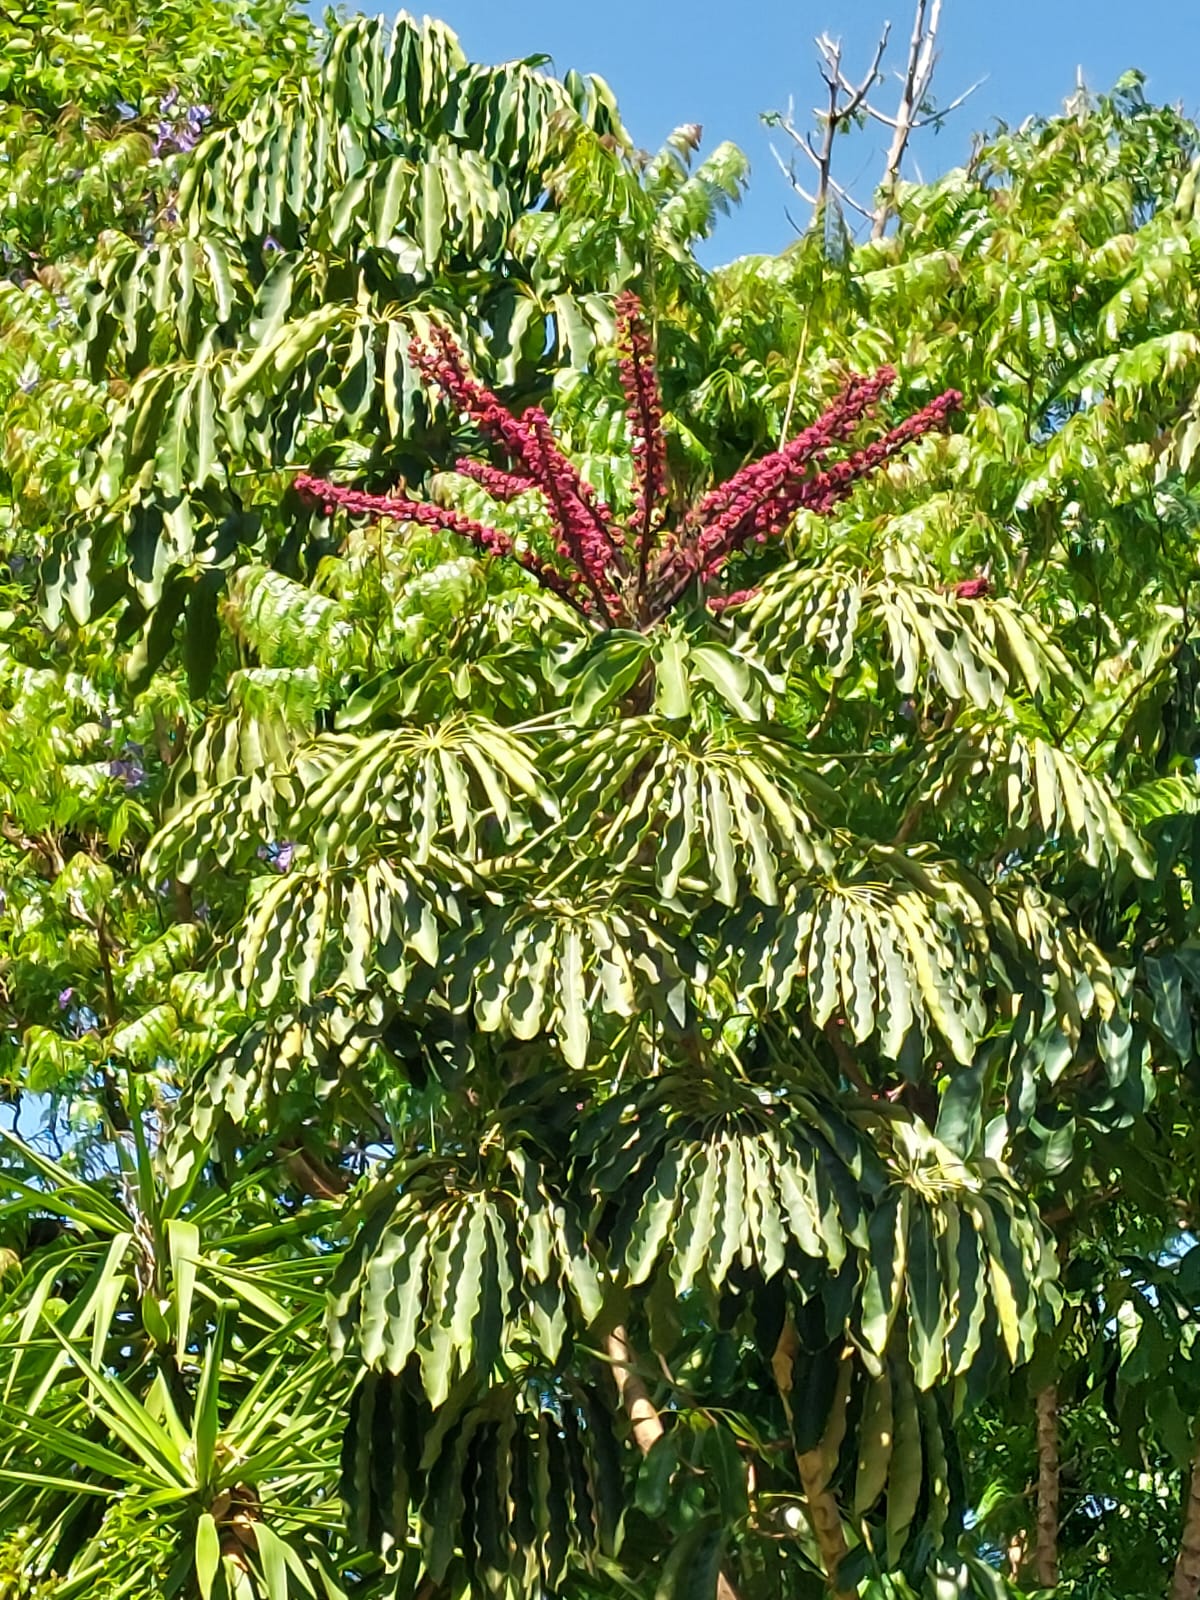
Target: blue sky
x=673, y=61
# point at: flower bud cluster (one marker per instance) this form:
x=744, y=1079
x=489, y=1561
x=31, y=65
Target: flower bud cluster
x=644, y=415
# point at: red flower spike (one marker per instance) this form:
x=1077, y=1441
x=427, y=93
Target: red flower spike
x=529, y=441
x=719, y=603
x=644, y=411
x=732, y=512
x=502, y=486
x=489, y=540
x=600, y=580
x=973, y=589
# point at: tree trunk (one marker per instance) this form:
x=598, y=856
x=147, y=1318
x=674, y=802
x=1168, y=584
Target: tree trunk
x=823, y=1510
x=1186, y=1583
x=633, y=1393
x=644, y=1419
x=1045, y=1559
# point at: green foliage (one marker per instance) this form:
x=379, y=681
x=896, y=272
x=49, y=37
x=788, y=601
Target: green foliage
x=95, y=104
x=466, y=1027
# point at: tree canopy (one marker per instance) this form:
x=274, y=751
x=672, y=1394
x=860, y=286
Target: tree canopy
x=598, y=927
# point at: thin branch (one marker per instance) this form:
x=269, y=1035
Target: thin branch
x=845, y=100
x=936, y=117
x=789, y=173
x=848, y=199
x=939, y=117
x=644, y=1419
x=857, y=95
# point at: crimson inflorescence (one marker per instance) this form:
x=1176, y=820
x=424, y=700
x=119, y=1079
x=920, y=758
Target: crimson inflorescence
x=632, y=575
x=643, y=412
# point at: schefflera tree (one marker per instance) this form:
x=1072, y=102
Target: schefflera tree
x=563, y=883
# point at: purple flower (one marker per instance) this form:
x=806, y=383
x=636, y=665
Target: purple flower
x=128, y=766
x=125, y=111
x=198, y=117
x=277, y=854
x=168, y=100
x=270, y=245
x=65, y=998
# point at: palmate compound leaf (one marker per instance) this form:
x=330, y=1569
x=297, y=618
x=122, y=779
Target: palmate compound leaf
x=900, y=1469
x=267, y=1079
x=958, y=1266
x=902, y=943
x=699, y=1185
x=1050, y=789
x=1044, y=791
x=253, y=776
x=958, y=1277
x=318, y=931
x=1052, y=960
x=143, y=971
x=461, y=1267
x=977, y=650
x=524, y=1479
x=270, y=713
x=722, y=810
x=234, y=791
x=454, y=783
x=559, y=966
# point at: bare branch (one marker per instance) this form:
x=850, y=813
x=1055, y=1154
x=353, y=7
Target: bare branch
x=857, y=96
x=845, y=101
x=789, y=173
x=806, y=145
x=917, y=76
x=848, y=199
x=937, y=117
x=934, y=117
x=848, y=101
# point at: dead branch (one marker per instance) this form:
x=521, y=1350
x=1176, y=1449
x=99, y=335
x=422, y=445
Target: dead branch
x=844, y=101
x=847, y=101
